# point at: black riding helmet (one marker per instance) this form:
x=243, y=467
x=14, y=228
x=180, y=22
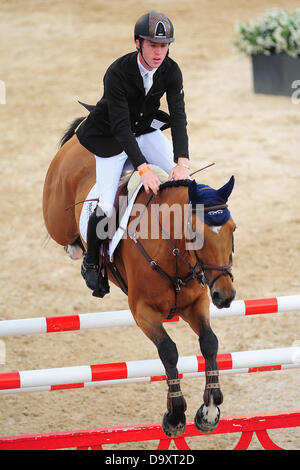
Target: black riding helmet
x=155, y=27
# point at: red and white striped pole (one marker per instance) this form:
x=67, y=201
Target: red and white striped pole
x=149, y=368
x=153, y=378
x=124, y=317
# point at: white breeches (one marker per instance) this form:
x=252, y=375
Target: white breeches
x=157, y=150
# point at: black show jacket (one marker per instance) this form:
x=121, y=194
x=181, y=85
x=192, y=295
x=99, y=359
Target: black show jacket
x=124, y=112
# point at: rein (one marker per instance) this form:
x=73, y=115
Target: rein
x=196, y=272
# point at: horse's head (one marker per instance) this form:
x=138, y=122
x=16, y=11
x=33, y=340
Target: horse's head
x=215, y=254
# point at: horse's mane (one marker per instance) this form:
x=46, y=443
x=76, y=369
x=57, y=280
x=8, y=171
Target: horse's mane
x=173, y=184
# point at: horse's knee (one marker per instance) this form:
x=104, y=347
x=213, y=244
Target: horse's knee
x=168, y=353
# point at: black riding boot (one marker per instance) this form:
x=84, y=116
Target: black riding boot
x=90, y=268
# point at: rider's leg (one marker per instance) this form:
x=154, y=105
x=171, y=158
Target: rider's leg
x=157, y=149
x=108, y=172
x=90, y=268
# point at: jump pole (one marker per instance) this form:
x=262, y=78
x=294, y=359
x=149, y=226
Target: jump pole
x=150, y=367
x=86, y=321
x=153, y=378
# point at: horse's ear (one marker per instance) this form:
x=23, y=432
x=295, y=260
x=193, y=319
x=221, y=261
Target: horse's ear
x=226, y=190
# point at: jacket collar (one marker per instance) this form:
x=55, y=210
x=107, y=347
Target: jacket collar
x=133, y=70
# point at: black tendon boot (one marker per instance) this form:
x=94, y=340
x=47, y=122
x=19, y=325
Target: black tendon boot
x=90, y=268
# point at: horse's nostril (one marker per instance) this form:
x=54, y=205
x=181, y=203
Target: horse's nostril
x=221, y=300
x=216, y=297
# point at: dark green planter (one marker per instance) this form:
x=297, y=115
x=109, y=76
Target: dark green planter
x=274, y=74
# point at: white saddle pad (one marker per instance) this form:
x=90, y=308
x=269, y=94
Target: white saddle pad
x=88, y=207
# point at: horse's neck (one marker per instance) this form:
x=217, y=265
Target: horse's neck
x=175, y=195
x=172, y=209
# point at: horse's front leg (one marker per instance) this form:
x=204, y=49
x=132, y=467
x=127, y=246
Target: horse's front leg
x=149, y=321
x=174, y=419
x=208, y=415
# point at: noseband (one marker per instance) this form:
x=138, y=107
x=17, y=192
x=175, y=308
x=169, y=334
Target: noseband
x=210, y=267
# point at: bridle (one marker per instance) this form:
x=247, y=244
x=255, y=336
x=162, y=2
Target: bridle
x=224, y=269
x=196, y=272
x=206, y=267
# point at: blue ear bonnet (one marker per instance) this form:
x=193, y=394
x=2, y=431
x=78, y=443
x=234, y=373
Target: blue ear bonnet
x=203, y=194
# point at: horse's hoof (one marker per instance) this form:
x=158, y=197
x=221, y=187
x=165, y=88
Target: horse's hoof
x=201, y=419
x=169, y=429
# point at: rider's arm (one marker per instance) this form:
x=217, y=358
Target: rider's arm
x=176, y=105
x=119, y=117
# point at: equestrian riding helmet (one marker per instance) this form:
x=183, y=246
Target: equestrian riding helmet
x=155, y=27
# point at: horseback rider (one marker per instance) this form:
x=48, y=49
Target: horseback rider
x=126, y=125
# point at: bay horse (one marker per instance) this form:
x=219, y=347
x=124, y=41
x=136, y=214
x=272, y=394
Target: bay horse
x=161, y=275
